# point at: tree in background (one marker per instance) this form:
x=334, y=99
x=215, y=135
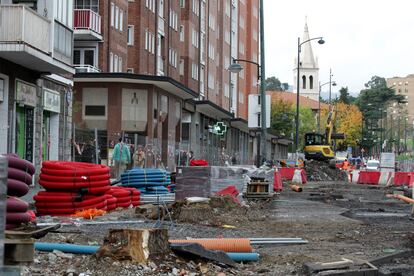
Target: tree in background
x=348, y=121
x=372, y=101
x=274, y=83
x=283, y=116
x=345, y=97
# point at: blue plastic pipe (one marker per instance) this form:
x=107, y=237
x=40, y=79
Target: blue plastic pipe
x=66, y=247
x=92, y=249
x=244, y=257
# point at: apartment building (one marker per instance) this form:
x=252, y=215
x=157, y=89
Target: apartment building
x=404, y=86
x=173, y=85
x=36, y=39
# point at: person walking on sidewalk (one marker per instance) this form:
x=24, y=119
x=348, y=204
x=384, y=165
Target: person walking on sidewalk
x=122, y=157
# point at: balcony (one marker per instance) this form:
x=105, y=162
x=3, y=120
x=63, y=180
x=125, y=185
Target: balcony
x=87, y=25
x=86, y=68
x=25, y=39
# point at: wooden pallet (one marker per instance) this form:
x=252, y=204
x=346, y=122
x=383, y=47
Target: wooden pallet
x=17, y=251
x=258, y=187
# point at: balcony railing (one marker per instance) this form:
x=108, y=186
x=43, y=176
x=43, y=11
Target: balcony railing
x=87, y=20
x=19, y=24
x=86, y=68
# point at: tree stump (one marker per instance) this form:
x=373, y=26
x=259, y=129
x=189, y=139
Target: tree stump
x=137, y=245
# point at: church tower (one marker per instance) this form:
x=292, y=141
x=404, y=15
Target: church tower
x=309, y=70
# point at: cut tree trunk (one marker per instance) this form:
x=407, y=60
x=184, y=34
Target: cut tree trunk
x=138, y=245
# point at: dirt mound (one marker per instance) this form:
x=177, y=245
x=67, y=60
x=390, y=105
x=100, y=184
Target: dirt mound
x=320, y=171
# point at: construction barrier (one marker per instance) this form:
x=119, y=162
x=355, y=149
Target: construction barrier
x=404, y=179
x=289, y=173
x=277, y=181
x=366, y=177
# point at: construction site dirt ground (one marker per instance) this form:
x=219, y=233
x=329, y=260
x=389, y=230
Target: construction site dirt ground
x=340, y=220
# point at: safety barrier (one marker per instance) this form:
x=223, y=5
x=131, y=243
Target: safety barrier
x=277, y=181
x=404, y=179
x=288, y=174
x=366, y=177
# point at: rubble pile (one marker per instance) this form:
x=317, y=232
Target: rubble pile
x=320, y=171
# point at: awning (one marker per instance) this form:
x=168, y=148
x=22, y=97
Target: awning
x=240, y=123
x=166, y=83
x=212, y=110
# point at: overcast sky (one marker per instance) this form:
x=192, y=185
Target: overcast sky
x=362, y=38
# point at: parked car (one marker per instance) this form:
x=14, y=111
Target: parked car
x=372, y=165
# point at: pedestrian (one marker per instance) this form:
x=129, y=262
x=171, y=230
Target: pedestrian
x=122, y=157
x=139, y=158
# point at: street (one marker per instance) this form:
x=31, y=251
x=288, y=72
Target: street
x=340, y=220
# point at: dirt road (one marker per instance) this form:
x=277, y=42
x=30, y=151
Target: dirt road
x=339, y=220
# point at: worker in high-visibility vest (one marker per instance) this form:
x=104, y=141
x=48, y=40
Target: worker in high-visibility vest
x=345, y=165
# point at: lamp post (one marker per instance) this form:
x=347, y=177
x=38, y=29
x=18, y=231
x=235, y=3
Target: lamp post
x=330, y=87
x=319, y=101
x=235, y=67
x=320, y=41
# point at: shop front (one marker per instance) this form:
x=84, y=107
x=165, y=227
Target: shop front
x=25, y=105
x=50, y=125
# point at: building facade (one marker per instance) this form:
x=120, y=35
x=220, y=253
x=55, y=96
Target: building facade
x=36, y=39
x=171, y=86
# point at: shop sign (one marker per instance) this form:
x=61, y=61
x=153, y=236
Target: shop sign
x=25, y=93
x=51, y=100
x=29, y=133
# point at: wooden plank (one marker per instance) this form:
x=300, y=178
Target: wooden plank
x=18, y=251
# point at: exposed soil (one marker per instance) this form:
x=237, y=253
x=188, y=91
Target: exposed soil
x=320, y=171
x=339, y=220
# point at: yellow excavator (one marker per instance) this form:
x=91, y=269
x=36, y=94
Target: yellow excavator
x=319, y=146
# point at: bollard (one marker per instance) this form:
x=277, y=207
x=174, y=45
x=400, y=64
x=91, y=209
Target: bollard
x=3, y=206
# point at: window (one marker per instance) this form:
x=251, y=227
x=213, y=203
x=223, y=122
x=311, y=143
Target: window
x=181, y=32
x=161, y=8
x=172, y=56
x=87, y=4
x=115, y=63
x=194, y=38
x=181, y=67
x=63, y=40
x=227, y=37
x=254, y=34
x=241, y=22
x=112, y=14
x=116, y=17
x=111, y=62
x=130, y=35
x=212, y=22
x=174, y=20
x=226, y=62
x=182, y=3
x=196, y=7
x=241, y=74
x=149, y=42
x=241, y=97
x=94, y=110
x=84, y=56
x=150, y=4
x=211, y=81
x=130, y=70
x=226, y=90
x=194, y=71
x=303, y=82
x=311, y=82
x=255, y=12
x=120, y=64
x=211, y=51
x=259, y=121
x=121, y=20
x=228, y=7
x=241, y=48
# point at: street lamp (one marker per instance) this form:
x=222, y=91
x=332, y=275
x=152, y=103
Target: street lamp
x=319, y=102
x=235, y=67
x=320, y=41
